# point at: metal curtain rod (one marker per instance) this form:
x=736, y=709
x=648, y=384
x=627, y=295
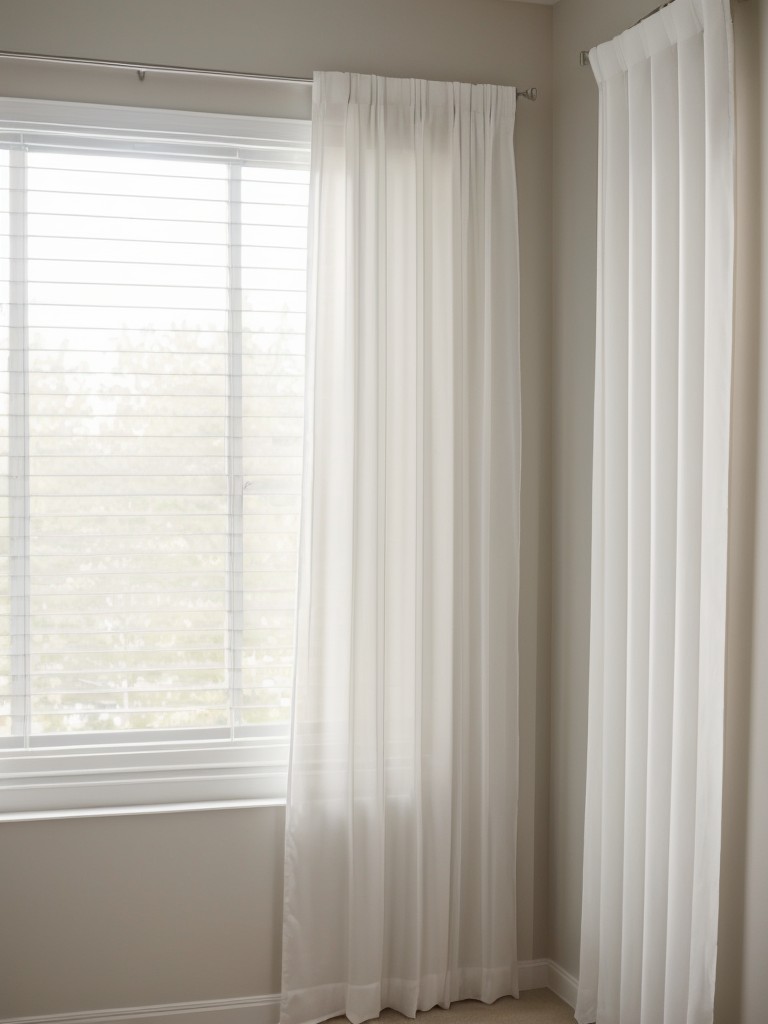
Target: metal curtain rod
x=656, y=10
x=170, y=69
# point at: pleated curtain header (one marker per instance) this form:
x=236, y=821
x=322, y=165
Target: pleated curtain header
x=335, y=91
x=668, y=27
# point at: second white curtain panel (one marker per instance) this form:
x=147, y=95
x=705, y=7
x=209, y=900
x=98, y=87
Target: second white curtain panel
x=660, y=519
x=402, y=808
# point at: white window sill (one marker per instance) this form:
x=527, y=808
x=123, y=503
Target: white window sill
x=118, y=812
x=82, y=781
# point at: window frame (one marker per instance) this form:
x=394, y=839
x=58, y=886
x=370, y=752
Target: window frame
x=171, y=767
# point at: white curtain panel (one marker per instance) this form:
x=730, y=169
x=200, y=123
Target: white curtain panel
x=660, y=501
x=402, y=806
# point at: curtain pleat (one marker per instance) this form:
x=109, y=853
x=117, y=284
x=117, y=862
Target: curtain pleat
x=660, y=488
x=639, y=535
x=402, y=807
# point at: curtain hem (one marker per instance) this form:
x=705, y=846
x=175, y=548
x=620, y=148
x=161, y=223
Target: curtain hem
x=360, y=1003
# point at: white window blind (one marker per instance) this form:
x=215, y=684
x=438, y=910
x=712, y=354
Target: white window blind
x=152, y=282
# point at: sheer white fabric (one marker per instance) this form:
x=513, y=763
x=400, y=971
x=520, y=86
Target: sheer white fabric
x=660, y=493
x=402, y=808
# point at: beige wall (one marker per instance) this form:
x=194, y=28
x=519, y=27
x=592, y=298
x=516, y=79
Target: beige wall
x=742, y=981
x=98, y=913
x=127, y=911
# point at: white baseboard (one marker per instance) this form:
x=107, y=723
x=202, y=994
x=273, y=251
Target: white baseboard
x=533, y=974
x=562, y=983
x=266, y=1009
x=247, y=1010
x=544, y=974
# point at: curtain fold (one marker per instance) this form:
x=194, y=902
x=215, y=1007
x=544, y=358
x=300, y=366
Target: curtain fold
x=660, y=500
x=402, y=807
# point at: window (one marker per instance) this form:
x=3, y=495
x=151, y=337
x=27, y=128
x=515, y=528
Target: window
x=152, y=340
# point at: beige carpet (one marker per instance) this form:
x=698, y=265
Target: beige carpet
x=539, y=1006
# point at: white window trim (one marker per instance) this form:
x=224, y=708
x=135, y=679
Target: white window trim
x=139, y=126
x=132, y=810
x=91, y=777
x=159, y=774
